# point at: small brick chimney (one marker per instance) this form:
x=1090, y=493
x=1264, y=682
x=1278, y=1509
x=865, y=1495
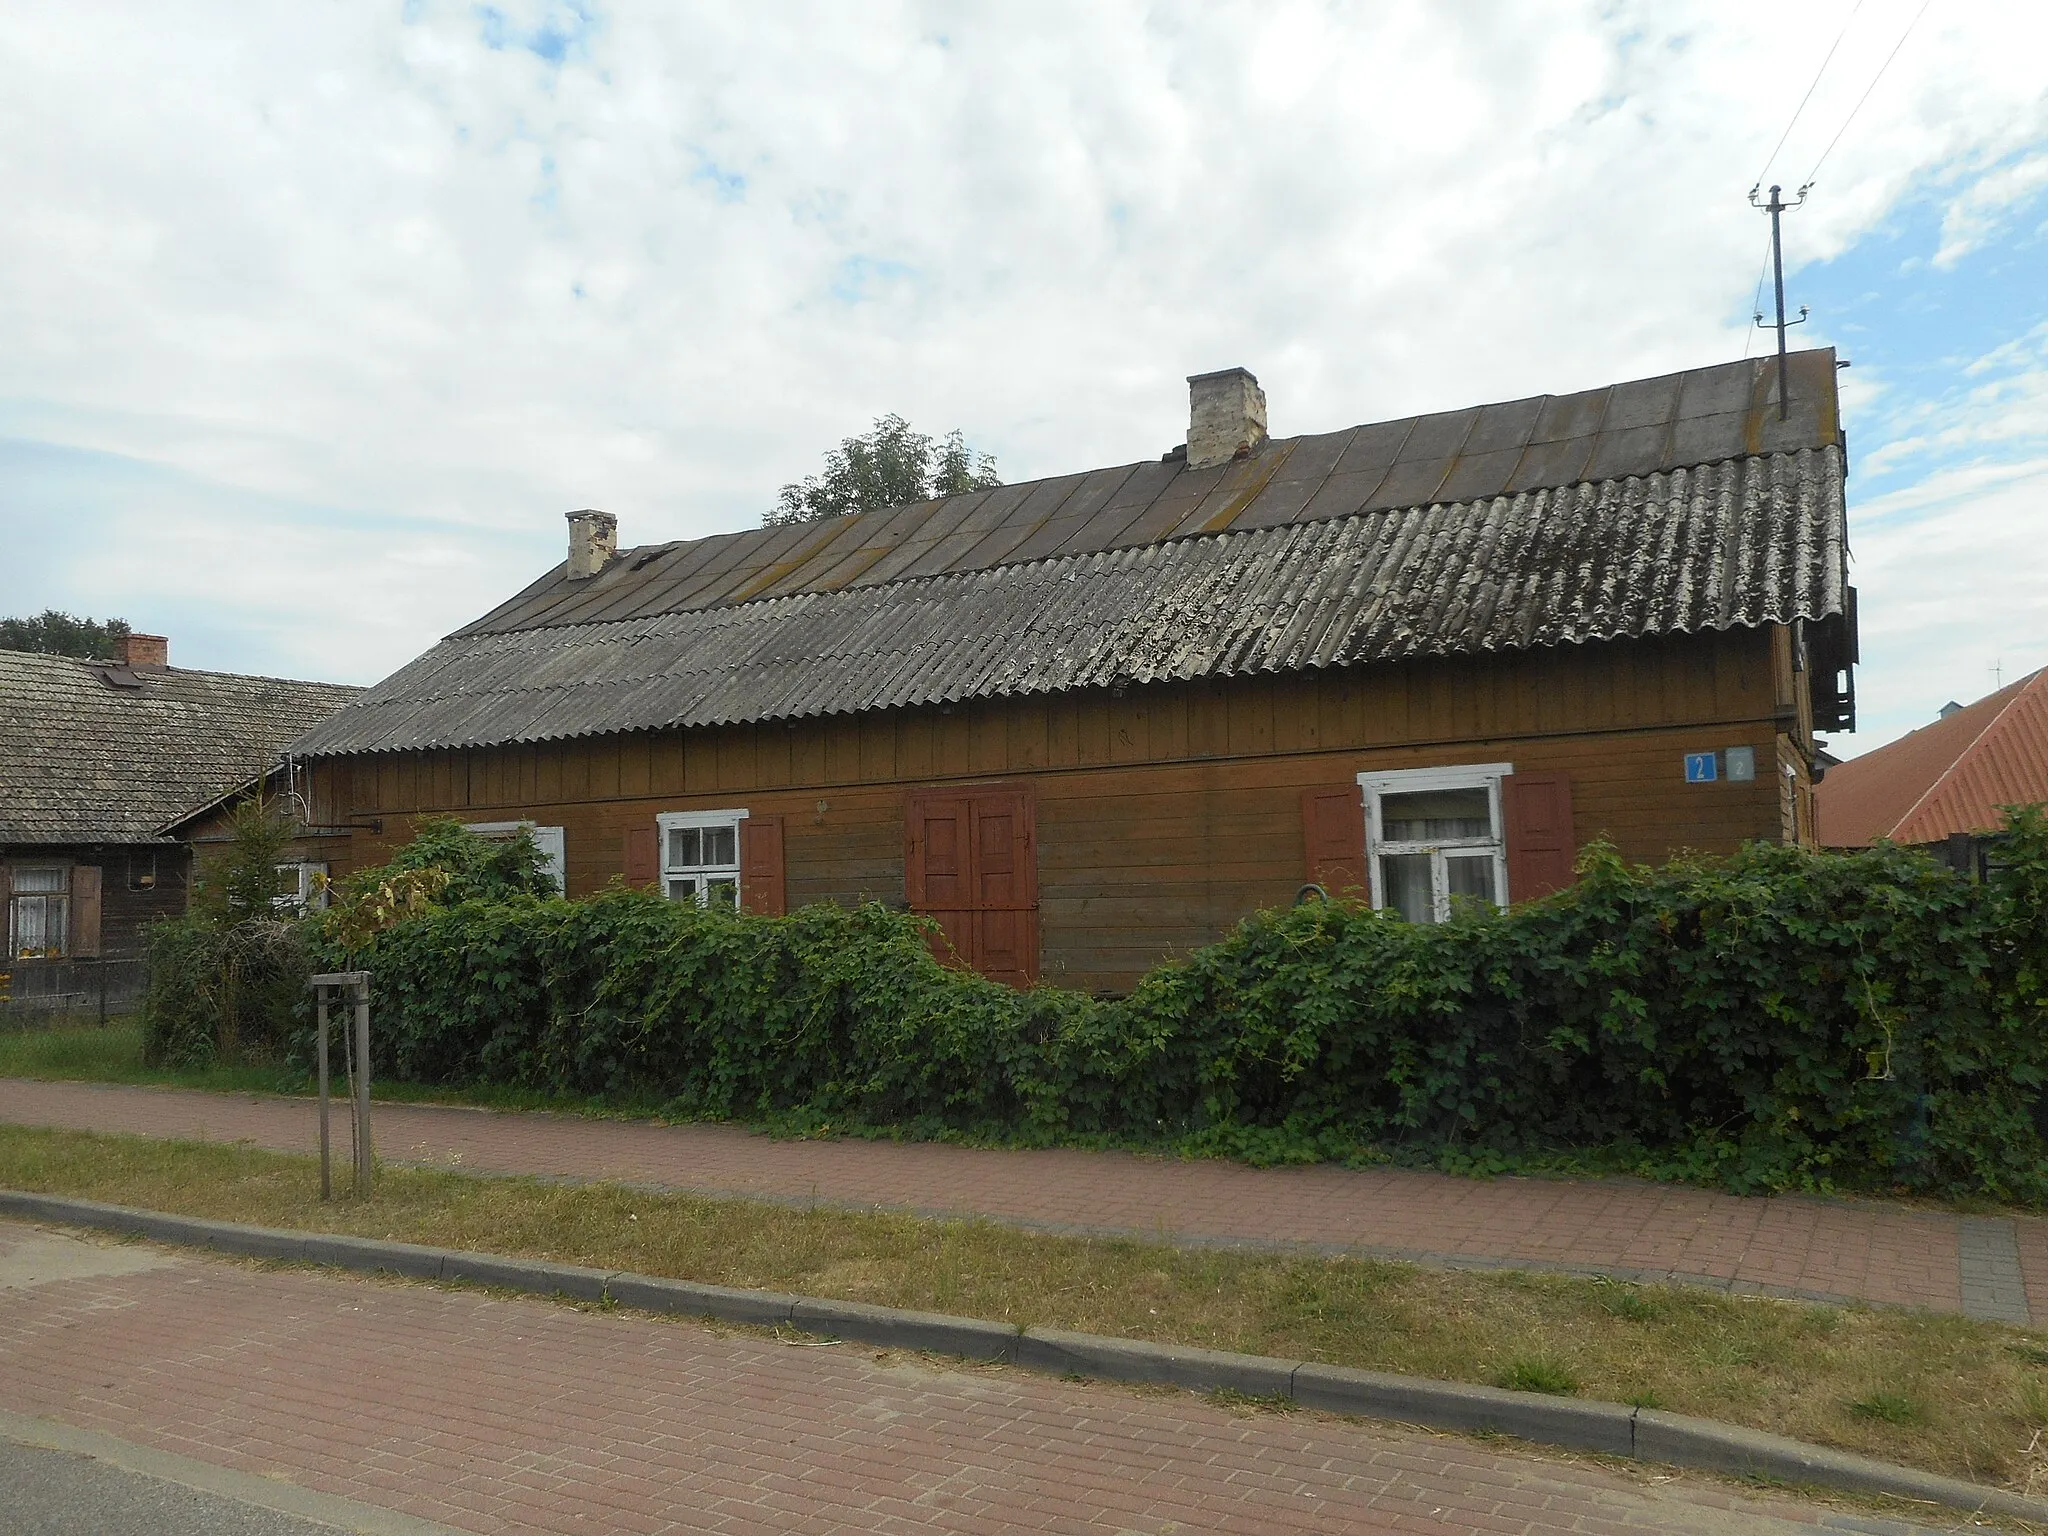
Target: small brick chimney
x=142, y=651
x=593, y=541
x=1226, y=417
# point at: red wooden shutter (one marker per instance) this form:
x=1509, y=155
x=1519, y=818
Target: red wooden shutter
x=761, y=887
x=1333, y=830
x=970, y=861
x=1005, y=888
x=937, y=879
x=84, y=938
x=1537, y=808
x=643, y=855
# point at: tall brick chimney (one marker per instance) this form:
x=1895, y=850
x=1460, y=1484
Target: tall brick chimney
x=142, y=651
x=593, y=540
x=1226, y=416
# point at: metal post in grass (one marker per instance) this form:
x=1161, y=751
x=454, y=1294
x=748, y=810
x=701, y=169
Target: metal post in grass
x=354, y=986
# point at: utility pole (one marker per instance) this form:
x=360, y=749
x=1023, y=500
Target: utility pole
x=1776, y=207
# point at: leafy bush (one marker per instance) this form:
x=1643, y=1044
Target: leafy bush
x=1778, y=1019
x=227, y=980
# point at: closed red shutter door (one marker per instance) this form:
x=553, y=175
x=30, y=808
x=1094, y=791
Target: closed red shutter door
x=1005, y=888
x=643, y=856
x=84, y=941
x=970, y=863
x=936, y=875
x=761, y=866
x=1333, y=831
x=1537, y=808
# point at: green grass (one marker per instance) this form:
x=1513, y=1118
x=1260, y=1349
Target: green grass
x=1975, y=1393
x=113, y=1054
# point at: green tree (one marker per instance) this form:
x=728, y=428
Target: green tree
x=889, y=465
x=60, y=634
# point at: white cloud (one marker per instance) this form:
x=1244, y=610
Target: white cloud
x=658, y=259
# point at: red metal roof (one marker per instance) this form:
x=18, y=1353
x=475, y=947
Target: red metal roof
x=1951, y=776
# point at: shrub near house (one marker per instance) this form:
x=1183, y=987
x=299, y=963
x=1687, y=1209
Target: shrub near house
x=1778, y=1019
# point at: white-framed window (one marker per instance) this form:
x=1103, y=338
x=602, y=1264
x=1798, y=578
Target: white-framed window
x=1433, y=837
x=549, y=840
x=39, y=914
x=299, y=886
x=700, y=856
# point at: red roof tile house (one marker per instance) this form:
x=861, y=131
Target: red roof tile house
x=1951, y=777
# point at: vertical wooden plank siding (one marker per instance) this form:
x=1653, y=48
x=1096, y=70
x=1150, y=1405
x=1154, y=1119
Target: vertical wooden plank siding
x=1165, y=814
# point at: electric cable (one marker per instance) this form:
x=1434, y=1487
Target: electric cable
x=1810, y=89
x=1887, y=64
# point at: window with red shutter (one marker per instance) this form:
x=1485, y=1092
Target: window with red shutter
x=761, y=888
x=1333, y=832
x=1537, y=810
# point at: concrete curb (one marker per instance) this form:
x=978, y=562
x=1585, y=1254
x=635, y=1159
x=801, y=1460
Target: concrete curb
x=1612, y=1429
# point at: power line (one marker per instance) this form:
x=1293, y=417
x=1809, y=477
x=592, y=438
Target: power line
x=1756, y=300
x=1887, y=64
x=1810, y=89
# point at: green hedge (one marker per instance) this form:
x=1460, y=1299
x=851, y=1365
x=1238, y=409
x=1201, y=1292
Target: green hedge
x=1779, y=1019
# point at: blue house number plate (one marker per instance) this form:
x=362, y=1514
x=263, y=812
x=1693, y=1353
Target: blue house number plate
x=1701, y=767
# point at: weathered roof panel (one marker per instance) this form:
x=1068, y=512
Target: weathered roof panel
x=1646, y=426
x=1743, y=542
x=85, y=762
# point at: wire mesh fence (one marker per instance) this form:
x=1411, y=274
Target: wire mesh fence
x=49, y=994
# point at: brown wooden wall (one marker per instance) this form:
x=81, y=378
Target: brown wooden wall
x=1165, y=813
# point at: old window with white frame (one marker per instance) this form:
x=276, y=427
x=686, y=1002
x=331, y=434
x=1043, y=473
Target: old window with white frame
x=700, y=856
x=300, y=885
x=39, y=914
x=554, y=848
x=1433, y=838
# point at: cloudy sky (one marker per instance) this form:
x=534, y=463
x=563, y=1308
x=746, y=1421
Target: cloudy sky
x=315, y=318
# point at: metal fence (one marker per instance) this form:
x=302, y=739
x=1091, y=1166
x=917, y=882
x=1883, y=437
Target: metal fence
x=39, y=993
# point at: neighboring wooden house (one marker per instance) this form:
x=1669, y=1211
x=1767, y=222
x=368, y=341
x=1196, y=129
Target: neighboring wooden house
x=95, y=758
x=1092, y=721
x=1949, y=779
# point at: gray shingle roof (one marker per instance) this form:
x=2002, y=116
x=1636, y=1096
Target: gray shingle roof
x=1619, y=432
x=1745, y=541
x=82, y=761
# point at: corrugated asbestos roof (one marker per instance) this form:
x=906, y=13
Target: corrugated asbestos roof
x=1644, y=427
x=85, y=761
x=1746, y=541
x=1951, y=776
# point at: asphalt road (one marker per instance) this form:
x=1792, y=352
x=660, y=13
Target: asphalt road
x=61, y=1493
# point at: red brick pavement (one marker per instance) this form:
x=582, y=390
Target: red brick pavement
x=515, y=1415
x=1865, y=1250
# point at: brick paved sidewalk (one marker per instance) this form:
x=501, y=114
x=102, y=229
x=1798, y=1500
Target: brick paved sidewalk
x=515, y=1415
x=1862, y=1250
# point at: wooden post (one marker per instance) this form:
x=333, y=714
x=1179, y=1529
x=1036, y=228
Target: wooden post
x=354, y=987
x=362, y=990
x=320, y=1051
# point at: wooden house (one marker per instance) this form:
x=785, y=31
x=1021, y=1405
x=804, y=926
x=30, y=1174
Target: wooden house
x=96, y=758
x=1091, y=721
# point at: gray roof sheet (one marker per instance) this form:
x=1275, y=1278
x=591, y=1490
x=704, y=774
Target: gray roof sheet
x=1644, y=427
x=82, y=761
x=1745, y=541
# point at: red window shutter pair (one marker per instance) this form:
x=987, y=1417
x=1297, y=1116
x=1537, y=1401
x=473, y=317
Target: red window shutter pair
x=970, y=861
x=762, y=887
x=1537, y=809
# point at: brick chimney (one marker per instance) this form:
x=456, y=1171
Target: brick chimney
x=142, y=651
x=1226, y=417
x=593, y=541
